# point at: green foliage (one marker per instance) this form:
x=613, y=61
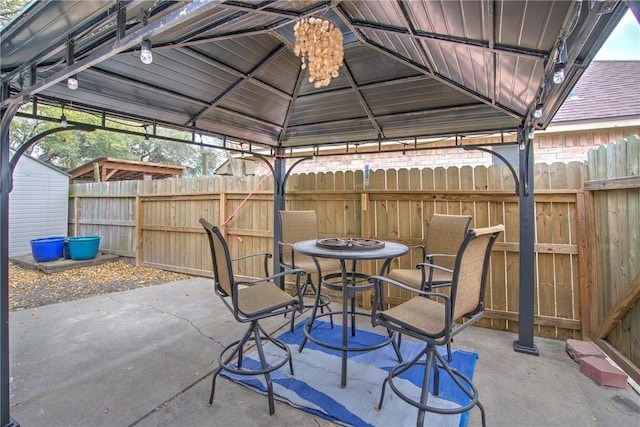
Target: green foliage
x=70, y=149
x=9, y=8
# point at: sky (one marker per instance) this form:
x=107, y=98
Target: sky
x=624, y=41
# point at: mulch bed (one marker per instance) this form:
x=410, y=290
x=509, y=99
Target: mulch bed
x=32, y=288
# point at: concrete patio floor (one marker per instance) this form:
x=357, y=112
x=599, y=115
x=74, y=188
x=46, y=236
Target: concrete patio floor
x=144, y=358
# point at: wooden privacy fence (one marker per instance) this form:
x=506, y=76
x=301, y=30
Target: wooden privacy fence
x=613, y=198
x=157, y=223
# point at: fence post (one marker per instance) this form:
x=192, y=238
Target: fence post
x=583, y=264
x=138, y=231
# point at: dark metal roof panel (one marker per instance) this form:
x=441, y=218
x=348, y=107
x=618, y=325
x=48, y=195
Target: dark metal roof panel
x=43, y=25
x=229, y=67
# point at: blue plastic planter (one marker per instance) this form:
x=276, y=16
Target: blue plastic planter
x=47, y=248
x=83, y=247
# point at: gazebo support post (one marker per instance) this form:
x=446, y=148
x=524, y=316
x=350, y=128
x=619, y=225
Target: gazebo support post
x=280, y=176
x=7, y=166
x=279, y=182
x=6, y=115
x=525, y=344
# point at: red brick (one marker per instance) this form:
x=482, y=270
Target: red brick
x=602, y=372
x=578, y=349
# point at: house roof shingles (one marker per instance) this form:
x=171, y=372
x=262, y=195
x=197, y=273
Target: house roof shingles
x=607, y=89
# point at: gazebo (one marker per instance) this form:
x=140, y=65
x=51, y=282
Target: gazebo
x=397, y=70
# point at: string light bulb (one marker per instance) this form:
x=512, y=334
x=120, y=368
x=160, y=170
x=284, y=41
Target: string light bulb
x=558, y=69
x=72, y=82
x=558, y=73
x=146, y=56
x=319, y=44
x=537, y=113
x=63, y=120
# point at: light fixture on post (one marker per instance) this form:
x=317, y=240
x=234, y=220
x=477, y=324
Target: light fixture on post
x=537, y=113
x=319, y=46
x=559, y=68
x=63, y=119
x=146, y=56
x=72, y=82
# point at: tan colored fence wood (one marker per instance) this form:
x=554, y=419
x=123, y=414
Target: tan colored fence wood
x=565, y=265
x=621, y=307
x=616, y=208
x=545, y=226
x=633, y=219
x=380, y=211
x=488, y=214
x=615, y=244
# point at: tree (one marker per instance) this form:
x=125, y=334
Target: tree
x=9, y=8
x=68, y=150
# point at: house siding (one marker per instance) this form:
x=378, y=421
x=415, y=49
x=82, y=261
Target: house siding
x=38, y=204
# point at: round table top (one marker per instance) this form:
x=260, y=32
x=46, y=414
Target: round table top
x=389, y=250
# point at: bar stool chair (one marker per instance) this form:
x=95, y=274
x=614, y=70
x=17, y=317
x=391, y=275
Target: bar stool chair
x=433, y=320
x=297, y=226
x=250, y=301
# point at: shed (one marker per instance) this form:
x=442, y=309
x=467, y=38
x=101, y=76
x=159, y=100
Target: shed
x=38, y=204
x=237, y=167
x=110, y=169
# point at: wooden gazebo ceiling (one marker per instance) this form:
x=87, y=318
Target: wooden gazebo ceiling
x=109, y=169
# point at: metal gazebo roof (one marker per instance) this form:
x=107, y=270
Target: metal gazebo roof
x=227, y=68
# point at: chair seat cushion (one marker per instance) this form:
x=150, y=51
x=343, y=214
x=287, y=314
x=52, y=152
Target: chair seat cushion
x=413, y=276
x=420, y=314
x=262, y=297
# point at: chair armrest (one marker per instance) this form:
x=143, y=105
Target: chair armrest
x=422, y=248
x=425, y=265
x=427, y=277
x=267, y=257
x=289, y=247
x=377, y=280
x=429, y=257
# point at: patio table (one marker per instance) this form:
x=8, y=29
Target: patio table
x=349, y=283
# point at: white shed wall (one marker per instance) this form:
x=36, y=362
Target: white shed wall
x=38, y=204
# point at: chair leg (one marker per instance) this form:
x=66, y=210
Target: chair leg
x=433, y=362
x=303, y=290
x=213, y=384
x=263, y=363
x=398, y=370
x=396, y=346
x=353, y=316
x=309, y=324
x=323, y=304
x=319, y=302
x=424, y=394
x=236, y=351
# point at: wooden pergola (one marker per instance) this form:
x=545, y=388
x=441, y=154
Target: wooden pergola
x=105, y=169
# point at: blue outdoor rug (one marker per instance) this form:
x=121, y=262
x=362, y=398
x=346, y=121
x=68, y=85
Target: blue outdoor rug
x=315, y=387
